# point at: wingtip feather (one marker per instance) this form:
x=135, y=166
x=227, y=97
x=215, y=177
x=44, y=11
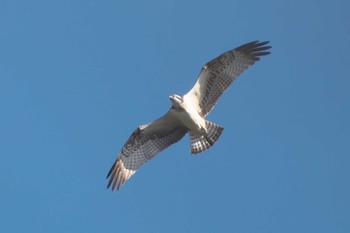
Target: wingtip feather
x=255, y=49
x=110, y=170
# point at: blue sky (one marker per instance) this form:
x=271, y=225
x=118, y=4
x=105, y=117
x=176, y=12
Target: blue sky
x=76, y=78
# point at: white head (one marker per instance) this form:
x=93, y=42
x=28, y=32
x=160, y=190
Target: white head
x=176, y=100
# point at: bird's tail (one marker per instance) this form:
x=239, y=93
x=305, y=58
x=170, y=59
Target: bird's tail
x=201, y=143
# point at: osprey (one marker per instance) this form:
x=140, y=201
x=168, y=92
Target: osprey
x=187, y=114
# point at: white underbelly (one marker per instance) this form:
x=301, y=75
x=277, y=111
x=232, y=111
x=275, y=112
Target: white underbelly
x=192, y=120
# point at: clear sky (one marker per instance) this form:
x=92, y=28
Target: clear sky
x=77, y=77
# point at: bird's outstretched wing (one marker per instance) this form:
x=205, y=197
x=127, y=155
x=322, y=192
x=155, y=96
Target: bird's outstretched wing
x=144, y=143
x=217, y=75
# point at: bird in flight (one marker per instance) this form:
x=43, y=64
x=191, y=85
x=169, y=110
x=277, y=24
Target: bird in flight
x=187, y=114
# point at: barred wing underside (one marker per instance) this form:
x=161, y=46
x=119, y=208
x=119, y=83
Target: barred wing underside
x=144, y=143
x=217, y=75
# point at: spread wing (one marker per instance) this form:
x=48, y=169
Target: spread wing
x=217, y=75
x=144, y=143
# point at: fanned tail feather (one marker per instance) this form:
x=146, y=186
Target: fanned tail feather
x=200, y=143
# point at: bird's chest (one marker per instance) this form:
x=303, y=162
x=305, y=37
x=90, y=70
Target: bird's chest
x=189, y=117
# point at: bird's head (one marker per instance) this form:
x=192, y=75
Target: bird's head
x=176, y=100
